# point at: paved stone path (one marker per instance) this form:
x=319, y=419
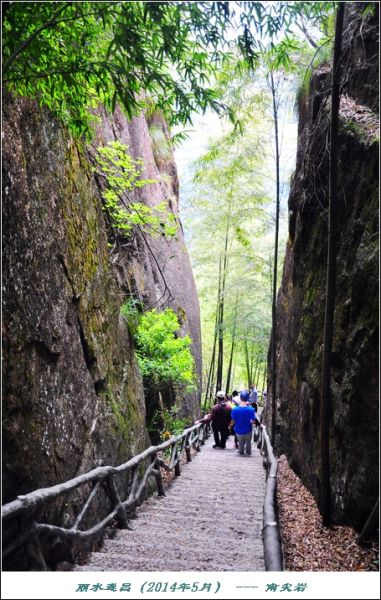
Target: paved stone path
x=209, y=520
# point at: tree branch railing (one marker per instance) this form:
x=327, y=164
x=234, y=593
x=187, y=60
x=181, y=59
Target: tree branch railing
x=272, y=545
x=26, y=510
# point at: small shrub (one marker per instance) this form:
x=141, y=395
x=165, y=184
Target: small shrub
x=164, y=358
x=169, y=423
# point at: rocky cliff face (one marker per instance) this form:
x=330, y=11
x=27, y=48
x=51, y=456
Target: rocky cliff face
x=72, y=393
x=158, y=272
x=300, y=307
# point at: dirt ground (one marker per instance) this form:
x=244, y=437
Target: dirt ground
x=307, y=544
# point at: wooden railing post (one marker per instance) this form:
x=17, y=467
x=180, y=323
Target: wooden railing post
x=35, y=552
x=177, y=461
x=259, y=442
x=115, y=499
x=201, y=432
x=198, y=442
x=158, y=477
x=132, y=492
x=188, y=448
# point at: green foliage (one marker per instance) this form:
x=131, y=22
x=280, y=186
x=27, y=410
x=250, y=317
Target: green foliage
x=242, y=236
x=173, y=425
x=369, y=9
x=234, y=180
x=179, y=137
x=310, y=62
x=350, y=126
x=168, y=424
x=131, y=310
x=281, y=56
x=74, y=55
x=317, y=14
x=264, y=23
x=122, y=174
x=163, y=357
x=231, y=181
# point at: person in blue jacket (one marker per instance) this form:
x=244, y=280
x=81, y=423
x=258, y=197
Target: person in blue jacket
x=243, y=417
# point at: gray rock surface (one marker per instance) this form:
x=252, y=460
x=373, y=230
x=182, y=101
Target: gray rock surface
x=210, y=520
x=354, y=416
x=72, y=392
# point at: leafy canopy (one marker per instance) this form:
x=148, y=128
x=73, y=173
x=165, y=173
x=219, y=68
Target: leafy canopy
x=74, y=55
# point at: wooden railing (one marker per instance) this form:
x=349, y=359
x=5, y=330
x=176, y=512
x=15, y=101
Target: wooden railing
x=271, y=535
x=25, y=511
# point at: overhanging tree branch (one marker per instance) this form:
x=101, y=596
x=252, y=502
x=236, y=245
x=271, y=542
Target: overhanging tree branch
x=304, y=30
x=30, y=39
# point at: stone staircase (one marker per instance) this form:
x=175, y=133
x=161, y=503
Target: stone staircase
x=209, y=520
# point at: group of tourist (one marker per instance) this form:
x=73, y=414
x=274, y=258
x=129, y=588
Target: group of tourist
x=234, y=414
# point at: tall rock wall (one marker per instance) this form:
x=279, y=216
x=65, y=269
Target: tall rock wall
x=156, y=269
x=300, y=306
x=72, y=393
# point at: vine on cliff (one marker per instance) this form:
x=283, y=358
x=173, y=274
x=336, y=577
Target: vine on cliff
x=122, y=174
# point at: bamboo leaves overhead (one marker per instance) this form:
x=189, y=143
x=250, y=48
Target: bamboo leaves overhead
x=74, y=55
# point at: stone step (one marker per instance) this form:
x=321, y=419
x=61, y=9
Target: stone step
x=126, y=562
x=225, y=542
x=224, y=515
x=181, y=550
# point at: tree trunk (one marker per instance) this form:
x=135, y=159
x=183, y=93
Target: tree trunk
x=220, y=361
x=251, y=361
x=325, y=400
x=234, y=366
x=229, y=374
x=256, y=372
x=274, y=287
x=209, y=385
x=247, y=361
x=264, y=378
